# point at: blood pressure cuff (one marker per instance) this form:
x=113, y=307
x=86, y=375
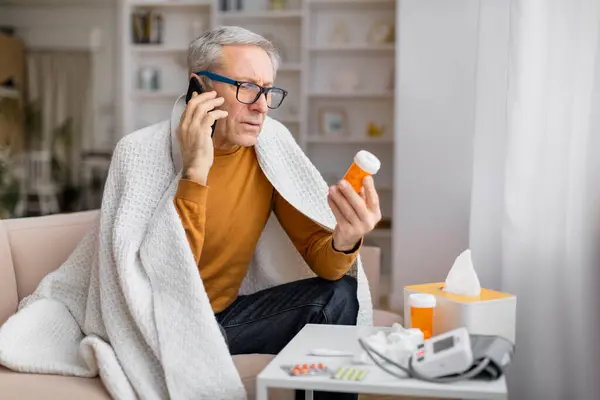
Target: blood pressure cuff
x=496, y=349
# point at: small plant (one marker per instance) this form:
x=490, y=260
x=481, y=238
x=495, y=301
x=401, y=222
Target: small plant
x=9, y=186
x=10, y=120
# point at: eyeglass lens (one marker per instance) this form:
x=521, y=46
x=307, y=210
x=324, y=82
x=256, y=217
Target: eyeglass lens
x=248, y=93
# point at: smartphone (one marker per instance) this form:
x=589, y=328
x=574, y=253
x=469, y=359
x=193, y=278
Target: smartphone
x=195, y=86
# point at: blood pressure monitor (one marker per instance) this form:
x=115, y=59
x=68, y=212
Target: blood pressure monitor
x=451, y=357
x=446, y=354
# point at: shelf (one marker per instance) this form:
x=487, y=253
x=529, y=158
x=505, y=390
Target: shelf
x=288, y=120
x=383, y=233
x=323, y=4
x=171, y=3
x=359, y=95
x=8, y=93
x=354, y=47
x=244, y=16
x=348, y=140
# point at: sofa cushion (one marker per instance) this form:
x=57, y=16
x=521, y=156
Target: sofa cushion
x=39, y=245
x=23, y=386
x=8, y=284
x=371, y=260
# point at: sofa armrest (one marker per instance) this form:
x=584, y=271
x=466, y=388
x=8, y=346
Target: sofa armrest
x=386, y=318
x=371, y=260
x=39, y=245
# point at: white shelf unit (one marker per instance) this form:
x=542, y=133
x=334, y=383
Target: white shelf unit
x=243, y=17
x=311, y=61
x=368, y=97
x=182, y=21
x=352, y=47
x=284, y=29
x=171, y=3
x=335, y=4
x=348, y=141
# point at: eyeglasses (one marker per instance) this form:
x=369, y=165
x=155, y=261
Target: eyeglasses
x=249, y=92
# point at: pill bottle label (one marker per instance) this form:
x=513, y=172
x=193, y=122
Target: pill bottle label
x=363, y=165
x=355, y=177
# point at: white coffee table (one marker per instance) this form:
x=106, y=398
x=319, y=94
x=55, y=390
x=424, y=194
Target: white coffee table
x=345, y=338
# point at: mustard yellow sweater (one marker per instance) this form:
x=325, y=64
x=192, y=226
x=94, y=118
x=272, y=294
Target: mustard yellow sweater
x=224, y=219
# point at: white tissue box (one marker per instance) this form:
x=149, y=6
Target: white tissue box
x=490, y=313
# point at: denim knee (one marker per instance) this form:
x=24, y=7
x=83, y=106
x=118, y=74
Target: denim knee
x=342, y=308
x=224, y=334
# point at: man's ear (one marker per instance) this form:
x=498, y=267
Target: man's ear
x=204, y=81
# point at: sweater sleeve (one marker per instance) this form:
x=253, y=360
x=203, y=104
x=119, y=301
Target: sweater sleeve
x=313, y=242
x=190, y=203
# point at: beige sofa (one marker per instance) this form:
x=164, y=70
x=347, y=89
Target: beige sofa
x=30, y=248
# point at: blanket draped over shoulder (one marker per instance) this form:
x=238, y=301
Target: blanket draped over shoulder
x=129, y=304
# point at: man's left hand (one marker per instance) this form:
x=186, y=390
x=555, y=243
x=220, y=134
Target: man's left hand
x=356, y=213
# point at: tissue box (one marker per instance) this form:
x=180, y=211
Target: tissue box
x=490, y=313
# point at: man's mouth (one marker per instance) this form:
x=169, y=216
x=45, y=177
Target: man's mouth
x=253, y=124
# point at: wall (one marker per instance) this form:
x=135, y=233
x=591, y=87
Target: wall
x=68, y=23
x=450, y=71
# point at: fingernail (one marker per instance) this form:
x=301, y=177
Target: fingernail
x=344, y=183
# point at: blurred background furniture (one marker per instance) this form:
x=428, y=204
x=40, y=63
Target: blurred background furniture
x=37, y=183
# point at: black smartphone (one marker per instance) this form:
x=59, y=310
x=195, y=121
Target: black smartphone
x=195, y=86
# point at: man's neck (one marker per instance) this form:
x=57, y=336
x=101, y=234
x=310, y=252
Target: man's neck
x=220, y=143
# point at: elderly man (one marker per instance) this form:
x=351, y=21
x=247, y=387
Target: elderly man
x=224, y=201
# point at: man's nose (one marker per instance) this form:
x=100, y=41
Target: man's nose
x=260, y=105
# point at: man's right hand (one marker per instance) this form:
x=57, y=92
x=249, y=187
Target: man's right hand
x=194, y=133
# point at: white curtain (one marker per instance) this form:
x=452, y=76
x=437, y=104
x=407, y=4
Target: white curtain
x=60, y=87
x=541, y=188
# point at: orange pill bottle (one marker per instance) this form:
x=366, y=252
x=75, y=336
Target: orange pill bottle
x=365, y=164
x=422, y=307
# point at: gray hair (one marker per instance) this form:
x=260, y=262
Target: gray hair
x=204, y=53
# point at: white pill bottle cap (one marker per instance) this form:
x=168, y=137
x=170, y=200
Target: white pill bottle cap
x=367, y=162
x=422, y=300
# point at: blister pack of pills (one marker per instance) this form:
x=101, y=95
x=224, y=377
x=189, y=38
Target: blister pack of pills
x=318, y=369
x=350, y=374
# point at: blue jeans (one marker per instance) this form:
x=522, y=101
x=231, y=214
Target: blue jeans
x=266, y=321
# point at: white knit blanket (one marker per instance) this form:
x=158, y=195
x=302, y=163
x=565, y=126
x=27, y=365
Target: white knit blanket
x=129, y=305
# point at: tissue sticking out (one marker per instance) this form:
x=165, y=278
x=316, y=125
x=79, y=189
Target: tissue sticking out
x=462, y=278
